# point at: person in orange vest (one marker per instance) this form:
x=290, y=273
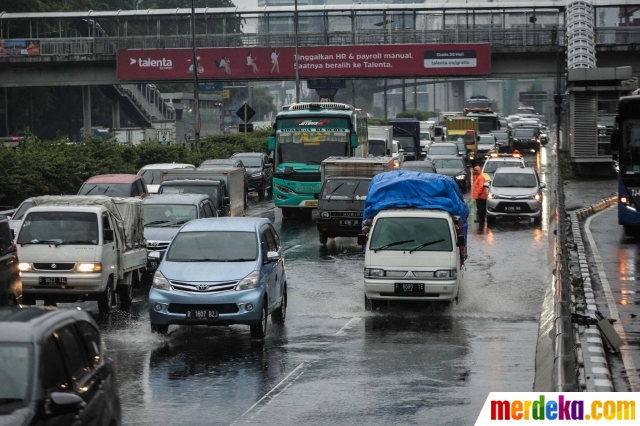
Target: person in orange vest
x=479, y=193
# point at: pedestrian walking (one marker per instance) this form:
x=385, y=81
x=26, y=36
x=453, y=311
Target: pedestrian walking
x=479, y=194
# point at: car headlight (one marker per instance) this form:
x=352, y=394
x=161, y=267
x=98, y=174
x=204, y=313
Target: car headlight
x=24, y=267
x=396, y=164
x=535, y=197
x=283, y=189
x=89, y=267
x=460, y=177
x=374, y=273
x=325, y=214
x=160, y=282
x=492, y=195
x=256, y=175
x=250, y=281
x=445, y=273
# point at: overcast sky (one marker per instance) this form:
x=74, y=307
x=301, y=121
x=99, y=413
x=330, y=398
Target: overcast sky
x=245, y=3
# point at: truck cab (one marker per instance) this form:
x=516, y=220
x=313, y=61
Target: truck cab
x=340, y=207
x=81, y=248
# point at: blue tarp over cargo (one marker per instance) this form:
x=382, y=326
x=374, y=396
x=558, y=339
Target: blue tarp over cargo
x=403, y=189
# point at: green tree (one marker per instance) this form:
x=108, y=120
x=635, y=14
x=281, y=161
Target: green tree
x=262, y=102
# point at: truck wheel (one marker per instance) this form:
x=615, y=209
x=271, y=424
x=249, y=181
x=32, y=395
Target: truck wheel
x=105, y=299
x=323, y=238
x=261, y=191
x=287, y=212
x=126, y=294
x=259, y=331
x=159, y=329
x=28, y=299
x=280, y=314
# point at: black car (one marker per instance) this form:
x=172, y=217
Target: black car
x=503, y=141
x=456, y=168
x=526, y=138
x=258, y=170
x=54, y=369
x=425, y=166
x=10, y=283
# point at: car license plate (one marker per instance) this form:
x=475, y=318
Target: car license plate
x=512, y=209
x=52, y=280
x=202, y=315
x=311, y=203
x=350, y=222
x=409, y=288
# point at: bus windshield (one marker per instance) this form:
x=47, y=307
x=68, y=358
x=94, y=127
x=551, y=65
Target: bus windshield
x=311, y=147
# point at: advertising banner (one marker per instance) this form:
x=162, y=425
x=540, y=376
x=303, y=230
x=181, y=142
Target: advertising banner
x=19, y=47
x=247, y=63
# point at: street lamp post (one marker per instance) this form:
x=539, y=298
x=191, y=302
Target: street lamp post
x=295, y=29
x=196, y=97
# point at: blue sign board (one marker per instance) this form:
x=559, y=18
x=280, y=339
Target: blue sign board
x=327, y=83
x=211, y=86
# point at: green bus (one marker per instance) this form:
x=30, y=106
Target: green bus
x=302, y=137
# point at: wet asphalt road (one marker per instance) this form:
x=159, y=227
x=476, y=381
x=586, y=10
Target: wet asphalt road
x=620, y=261
x=335, y=364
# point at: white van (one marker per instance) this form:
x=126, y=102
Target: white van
x=412, y=254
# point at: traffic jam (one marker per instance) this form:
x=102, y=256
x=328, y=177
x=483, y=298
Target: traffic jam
x=288, y=286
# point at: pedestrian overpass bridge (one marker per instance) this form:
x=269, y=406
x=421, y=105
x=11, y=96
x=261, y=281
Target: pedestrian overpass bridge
x=525, y=39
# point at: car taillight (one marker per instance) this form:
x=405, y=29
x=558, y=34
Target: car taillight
x=14, y=248
x=468, y=143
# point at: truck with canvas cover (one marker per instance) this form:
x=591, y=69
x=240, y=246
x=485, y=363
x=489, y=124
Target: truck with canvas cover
x=407, y=132
x=81, y=248
x=464, y=129
x=341, y=201
x=233, y=178
x=415, y=233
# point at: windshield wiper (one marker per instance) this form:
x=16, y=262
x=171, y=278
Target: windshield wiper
x=354, y=189
x=156, y=222
x=396, y=243
x=106, y=189
x=425, y=244
x=181, y=222
x=74, y=242
x=94, y=187
x=56, y=241
x=334, y=190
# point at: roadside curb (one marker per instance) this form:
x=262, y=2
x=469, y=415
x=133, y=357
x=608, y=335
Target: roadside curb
x=595, y=375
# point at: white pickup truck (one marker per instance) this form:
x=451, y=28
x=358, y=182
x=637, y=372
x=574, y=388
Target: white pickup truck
x=415, y=237
x=74, y=248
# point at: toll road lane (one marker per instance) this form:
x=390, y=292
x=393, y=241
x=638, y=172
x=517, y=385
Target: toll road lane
x=334, y=363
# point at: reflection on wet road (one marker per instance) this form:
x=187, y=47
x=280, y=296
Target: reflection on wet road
x=334, y=363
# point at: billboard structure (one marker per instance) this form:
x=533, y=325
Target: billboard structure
x=266, y=63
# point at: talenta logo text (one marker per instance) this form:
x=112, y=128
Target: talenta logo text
x=163, y=64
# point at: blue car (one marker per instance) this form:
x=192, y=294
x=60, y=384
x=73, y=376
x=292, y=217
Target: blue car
x=220, y=271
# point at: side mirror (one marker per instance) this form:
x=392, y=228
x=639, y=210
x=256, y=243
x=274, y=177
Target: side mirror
x=543, y=185
x=155, y=256
x=273, y=256
x=226, y=201
x=388, y=152
x=401, y=150
x=460, y=242
x=362, y=239
x=65, y=403
x=487, y=184
x=354, y=141
x=108, y=236
x=271, y=143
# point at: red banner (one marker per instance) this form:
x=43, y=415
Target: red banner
x=246, y=63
